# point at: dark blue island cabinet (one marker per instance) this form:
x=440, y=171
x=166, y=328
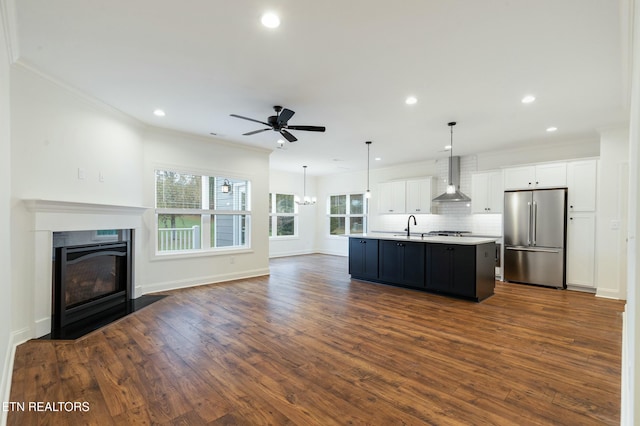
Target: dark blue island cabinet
x=363, y=258
x=464, y=270
x=402, y=263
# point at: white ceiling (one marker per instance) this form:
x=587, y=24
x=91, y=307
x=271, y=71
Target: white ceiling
x=347, y=65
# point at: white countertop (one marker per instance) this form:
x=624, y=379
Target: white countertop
x=469, y=241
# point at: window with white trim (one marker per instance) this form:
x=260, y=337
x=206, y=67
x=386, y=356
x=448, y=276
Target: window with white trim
x=347, y=214
x=196, y=212
x=283, y=215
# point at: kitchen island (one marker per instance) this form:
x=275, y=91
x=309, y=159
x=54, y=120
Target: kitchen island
x=455, y=266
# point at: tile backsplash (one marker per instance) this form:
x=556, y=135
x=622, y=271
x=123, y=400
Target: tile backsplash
x=448, y=216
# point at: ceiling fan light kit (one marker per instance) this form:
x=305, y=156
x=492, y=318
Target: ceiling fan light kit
x=280, y=123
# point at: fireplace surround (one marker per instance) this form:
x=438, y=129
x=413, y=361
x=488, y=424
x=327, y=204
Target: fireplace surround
x=52, y=216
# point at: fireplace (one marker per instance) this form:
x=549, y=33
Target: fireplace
x=67, y=224
x=90, y=279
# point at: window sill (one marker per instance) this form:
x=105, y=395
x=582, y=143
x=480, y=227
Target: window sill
x=190, y=254
x=284, y=238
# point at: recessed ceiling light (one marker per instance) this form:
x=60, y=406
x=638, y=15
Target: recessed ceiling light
x=528, y=99
x=551, y=129
x=270, y=20
x=377, y=158
x=411, y=100
x=159, y=113
x=280, y=142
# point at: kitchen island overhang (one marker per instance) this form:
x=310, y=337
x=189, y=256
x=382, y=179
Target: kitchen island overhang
x=456, y=266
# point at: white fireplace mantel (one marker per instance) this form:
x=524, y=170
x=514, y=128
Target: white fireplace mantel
x=59, y=216
x=53, y=206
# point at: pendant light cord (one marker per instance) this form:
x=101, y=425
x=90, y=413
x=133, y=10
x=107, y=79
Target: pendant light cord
x=304, y=184
x=368, y=162
x=451, y=124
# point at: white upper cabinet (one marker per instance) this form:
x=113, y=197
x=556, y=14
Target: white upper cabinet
x=487, y=192
x=519, y=177
x=551, y=175
x=419, y=195
x=581, y=180
x=391, y=197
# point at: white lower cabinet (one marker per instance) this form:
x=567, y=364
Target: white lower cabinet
x=581, y=250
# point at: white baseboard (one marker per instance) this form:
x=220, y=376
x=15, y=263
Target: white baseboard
x=291, y=253
x=608, y=294
x=626, y=403
x=333, y=253
x=15, y=338
x=580, y=288
x=193, y=282
x=43, y=327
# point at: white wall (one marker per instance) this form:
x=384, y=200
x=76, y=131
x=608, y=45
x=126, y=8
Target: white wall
x=611, y=221
x=630, y=411
x=540, y=152
x=56, y=131
x=177, y=151
x=292, y=183
x=452, y=216
x=5, y=227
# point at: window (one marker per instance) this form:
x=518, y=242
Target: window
x=347, y=214
x=195, y=212
x=283, y=215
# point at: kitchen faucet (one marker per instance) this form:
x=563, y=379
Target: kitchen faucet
x=409, y=224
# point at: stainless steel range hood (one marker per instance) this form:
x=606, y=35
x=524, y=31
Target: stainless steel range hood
x=453, y=193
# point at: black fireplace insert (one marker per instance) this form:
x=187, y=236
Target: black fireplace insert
x=90, y=279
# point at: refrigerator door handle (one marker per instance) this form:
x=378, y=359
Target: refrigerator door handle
x=535, y=222
x=536, y=249
x=529, y=225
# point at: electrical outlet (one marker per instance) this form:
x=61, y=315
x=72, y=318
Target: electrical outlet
x=232, y=260
x=101, y=176
x=81, y=173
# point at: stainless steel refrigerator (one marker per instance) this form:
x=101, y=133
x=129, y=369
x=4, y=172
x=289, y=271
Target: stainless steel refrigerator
x=535, y=237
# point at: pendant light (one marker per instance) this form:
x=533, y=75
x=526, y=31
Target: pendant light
x=452, y=193
x=306, y=201
x=368, y=193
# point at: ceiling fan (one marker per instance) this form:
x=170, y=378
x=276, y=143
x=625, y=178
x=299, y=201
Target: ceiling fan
x=279, y=123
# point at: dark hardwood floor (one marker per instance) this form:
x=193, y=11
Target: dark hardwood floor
x=309, y=346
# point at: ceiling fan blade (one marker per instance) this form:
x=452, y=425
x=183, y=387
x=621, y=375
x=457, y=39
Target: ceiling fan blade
x=285, y=116
x=288, y=136
x=308, y=128
x=256, y=131
x=250, y=119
